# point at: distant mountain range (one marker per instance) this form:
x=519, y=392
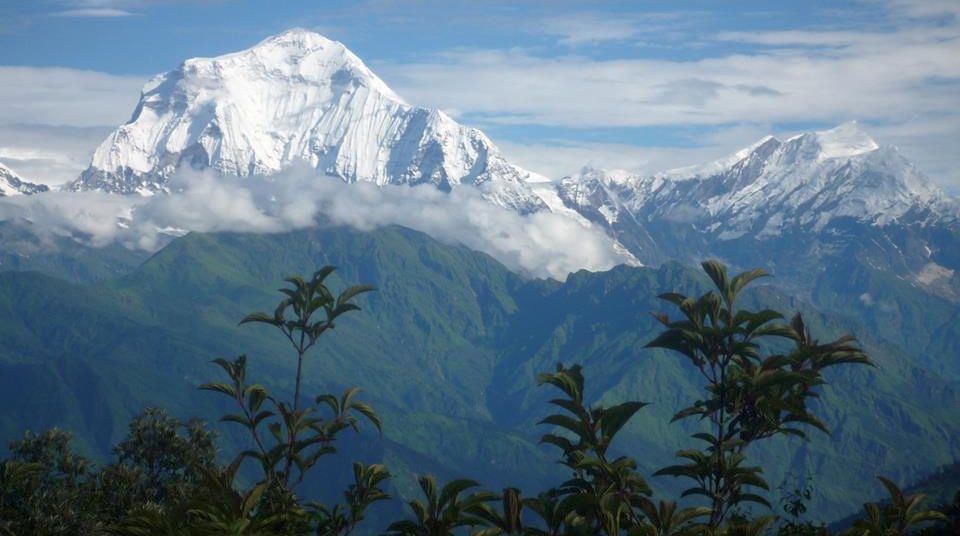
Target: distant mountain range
x=13, y=184
x=772, y=188
x=842, y=221
x=448, y=348
x=789, y=205
x=794, y=206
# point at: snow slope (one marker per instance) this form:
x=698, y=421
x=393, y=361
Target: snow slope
x=804, y=182
x=295, y=97
x=13, y=184
x=797, y=207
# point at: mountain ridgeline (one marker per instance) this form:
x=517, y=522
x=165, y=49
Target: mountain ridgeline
x=813, y=208
x=809, y=208
x=447, y=350
x=13, y=184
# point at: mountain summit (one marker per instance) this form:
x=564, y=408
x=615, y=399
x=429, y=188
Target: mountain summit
x=773, y=186
x=842, y=141
x=13, y=184
x=794, y=205
x=295, y=97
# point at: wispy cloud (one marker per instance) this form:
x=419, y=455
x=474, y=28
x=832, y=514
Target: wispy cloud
x=924, y=8
x=93, y=12
x=895, y=71
x=584, y=28
x=52, y=119
x=541, y=244
x=874, y=79
x=51, y=155
x=902, y=72
x=558, y=158
x=72, y=97
x=103, y=8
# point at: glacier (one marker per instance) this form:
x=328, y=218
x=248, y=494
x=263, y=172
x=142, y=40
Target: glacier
x=295, y=97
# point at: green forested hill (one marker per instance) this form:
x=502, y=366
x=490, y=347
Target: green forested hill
x=446, y=350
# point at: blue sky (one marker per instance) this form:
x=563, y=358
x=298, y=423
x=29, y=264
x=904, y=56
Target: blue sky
x=643, y=86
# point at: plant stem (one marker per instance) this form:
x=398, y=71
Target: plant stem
x=721, y=501
x=296, y=392
x=291, y=435
x=254, y=433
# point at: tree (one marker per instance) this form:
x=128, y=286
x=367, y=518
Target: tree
x=43, y=485
x=444, y=511
x=605, y=493
x=296, y=436
x=288, y=437
x=168, y=457
x=749, y=396
x=160, y=464
x=896, y=518
x=796, y=493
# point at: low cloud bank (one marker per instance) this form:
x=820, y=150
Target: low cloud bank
x=541, y=244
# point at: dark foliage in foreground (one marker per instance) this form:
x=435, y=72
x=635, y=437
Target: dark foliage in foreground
x=759, y=375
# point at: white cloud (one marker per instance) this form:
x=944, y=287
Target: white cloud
x=49, y=155
x=908, y=76
x=541, y=244
x=588, y=29
x=559, y=158
x=584, y=28
x=924, y=8
x=52, y=119
x=67, y=97
x=900, y=79
x=877, y=79
x=93, y=12
x=102, y=8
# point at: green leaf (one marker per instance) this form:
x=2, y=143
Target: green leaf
x=258, y=317
x=239, y=419
x=454, y=488
x=369, y=413
x=684, y=413
x=353, y=291
x=320, y=275
x=559, y=441
x=740, y=281
x=220, y=387
x=896, y=496
x=568, y=423
x=717, y=273
x=252, y=498
x=754, y=498
x=615, y=417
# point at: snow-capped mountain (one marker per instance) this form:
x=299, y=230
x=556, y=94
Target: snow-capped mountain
x=804, y=182
x=13, y=184
x=812, y=196
x=295, y=97
x=301, y=98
